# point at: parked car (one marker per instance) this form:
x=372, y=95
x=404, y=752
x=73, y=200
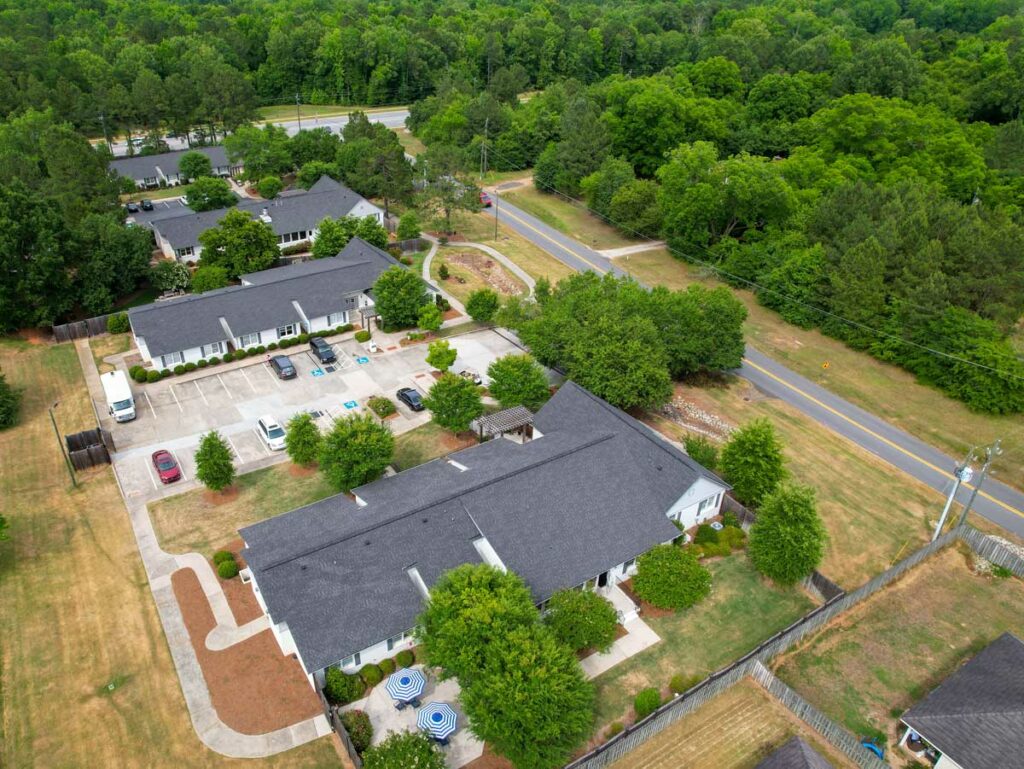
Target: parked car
x=485, y=199
x=410, y=398
x=471, y=375
x=131, y=207
x=283, y=367
x=270, y=432
x=147, y=205
x=323, y=351
x=166, y=466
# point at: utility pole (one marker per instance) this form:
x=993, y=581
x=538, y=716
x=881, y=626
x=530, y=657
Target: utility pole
x=962, y=474
x=496, y=215
x=991, y=453
x=60, y=442
x=298, y=109
x=483, y=149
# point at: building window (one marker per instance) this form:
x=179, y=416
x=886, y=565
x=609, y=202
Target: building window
x=171, y=359
x=186, y=251
x=212, y=349
x=352, y=661
x=337, y=319
x=706, y=504
x=249, y=340
x=395, y=640
x=628, y=565
x=284, y=331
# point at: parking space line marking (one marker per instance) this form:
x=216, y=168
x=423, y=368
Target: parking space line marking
x=270, y=373
x=263, y=443
x=181, y=467
x=232, y=397
x=233, y=448
x=151, y=409
x=149, y=472
x=201, y=393
x=249, y=381
x=171, y=390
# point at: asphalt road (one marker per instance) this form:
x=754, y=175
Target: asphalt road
x=996, y=501
x=391, y=118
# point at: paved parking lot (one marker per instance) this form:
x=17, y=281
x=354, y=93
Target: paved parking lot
x=175, y=413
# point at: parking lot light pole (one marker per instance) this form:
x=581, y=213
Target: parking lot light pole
x=60, y=442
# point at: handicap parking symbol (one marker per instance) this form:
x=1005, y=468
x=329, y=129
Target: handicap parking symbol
x=350, y=404
x=317, y=372
x=362, y=359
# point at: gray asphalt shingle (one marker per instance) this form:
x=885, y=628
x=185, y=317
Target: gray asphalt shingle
x=144, y=166
x=795, y=754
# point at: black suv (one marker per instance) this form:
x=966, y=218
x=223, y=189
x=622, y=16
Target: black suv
x=283, y=367
x=131, y=207
x=410, y=398
x=147, y=205
x=323, y=352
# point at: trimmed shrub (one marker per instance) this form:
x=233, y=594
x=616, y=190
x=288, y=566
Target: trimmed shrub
x=363, y=335
x=164, y=373
x=615, y=727
x=341, y=688
x=680, y=683
x=203, y=363
x=118, y=323
x=259, y=350
x=405, y=658
x=442, y=271
x=286, y=342
x=303, y=338
x=179, y=369
x=671, y=578
x=229, y=356
x=141, y=375
x=223, y=555
x=646, y=702
x=344, y=329
x=359, y=729
x=215, y=360
x=371, y=674
x=387, y=667
x=272, y=346
x=442, y=304
x=406, y=260
x=381, y=406
x=227, y=569
x=734, y=536
x=240, y=354
x=189, y=367
x=705, y=535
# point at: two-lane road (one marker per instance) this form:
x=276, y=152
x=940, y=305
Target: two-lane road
x=996, y=501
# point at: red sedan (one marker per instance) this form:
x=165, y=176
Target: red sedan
x=485, y=199
x=166, y=466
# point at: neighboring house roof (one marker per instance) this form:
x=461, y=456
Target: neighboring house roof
x=795, y=754
x=268, y=301
x=288, y=213
x=558, y=510
x=976, y=716
x=144, y=166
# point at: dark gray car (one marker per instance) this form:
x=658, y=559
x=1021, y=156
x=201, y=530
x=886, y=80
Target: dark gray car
x=283, y=367
x=323, y=351
x=410, y=398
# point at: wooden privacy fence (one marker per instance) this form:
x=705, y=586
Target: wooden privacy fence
x=89, y=448
x=81, y=328
x=410, y=245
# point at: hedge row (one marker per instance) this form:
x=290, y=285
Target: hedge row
x=342, y=688
x=141, y=375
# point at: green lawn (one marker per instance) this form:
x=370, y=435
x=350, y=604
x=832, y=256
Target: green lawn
x=110, y=344
x=893, y=649
x=536, y=262
x=568, y=217
x=425, y=443
x=742, y=611
x=159, y=193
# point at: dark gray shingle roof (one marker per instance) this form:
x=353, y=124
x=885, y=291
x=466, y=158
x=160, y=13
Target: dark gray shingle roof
x=333, y=286
x=288, y=213
x=590, y=494
x=976, y=716
x=144, y=166
x=795, y=754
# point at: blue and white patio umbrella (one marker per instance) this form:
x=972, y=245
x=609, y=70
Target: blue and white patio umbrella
x=405, y=684
x=438, y=718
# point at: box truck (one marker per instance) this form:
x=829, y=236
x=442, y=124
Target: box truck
x=120, y=404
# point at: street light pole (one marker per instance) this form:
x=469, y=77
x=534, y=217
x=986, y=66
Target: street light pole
x=60, y=442
x=991, y=453
x=962, y=474
x=298, y=109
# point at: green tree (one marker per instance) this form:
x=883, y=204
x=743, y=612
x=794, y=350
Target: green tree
x=600, y=187
x=531, y=700
x=169, y=275
x=356, y=451
x=317, y=145
x=701, y=450
x=634, y=208
x=441, y=355
x=448, y=190
x=787, y=542
x=208, y=193
x=408, y=226
x=263, y=151
x=469, y=609
x=3, y=529
x=310, y=173
x=752, y=461
x=334, y=234
x=405, y=750
x=209, y=278
x=517, y=380
x=302, y=439
x=269, y=187
x=482, y=305
x=399, y=294
x=10, y=400
x=214, y=466
x=193, y=165
x=429, y=317
x=671, y=577
x=454, y=402
x=581, y=619
x=239, y=244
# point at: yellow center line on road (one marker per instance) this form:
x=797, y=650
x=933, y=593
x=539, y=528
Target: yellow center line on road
x=547, y=237
x=876, y=436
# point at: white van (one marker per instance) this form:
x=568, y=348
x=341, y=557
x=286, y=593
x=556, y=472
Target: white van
x=120, y=403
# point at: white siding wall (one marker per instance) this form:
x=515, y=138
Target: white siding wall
x=685, y=508
x=945, y=762
x=378, y=652
x=320, y=324
x=366, y=208
x=141, y=344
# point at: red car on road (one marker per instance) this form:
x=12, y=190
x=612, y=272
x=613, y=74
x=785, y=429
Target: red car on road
x=166, y=466
x=485, y=199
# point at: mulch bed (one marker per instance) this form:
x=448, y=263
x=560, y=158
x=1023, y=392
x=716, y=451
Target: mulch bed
x=647, y=609
x=451, y=313
x=243, y=603
x=489, y=760
x=254, y=688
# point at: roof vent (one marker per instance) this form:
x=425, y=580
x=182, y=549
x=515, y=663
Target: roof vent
x=457, y=465
x=425, y=520
x=417, y=580
x=265, y=216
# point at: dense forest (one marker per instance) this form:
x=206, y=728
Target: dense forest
x=860, y=165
